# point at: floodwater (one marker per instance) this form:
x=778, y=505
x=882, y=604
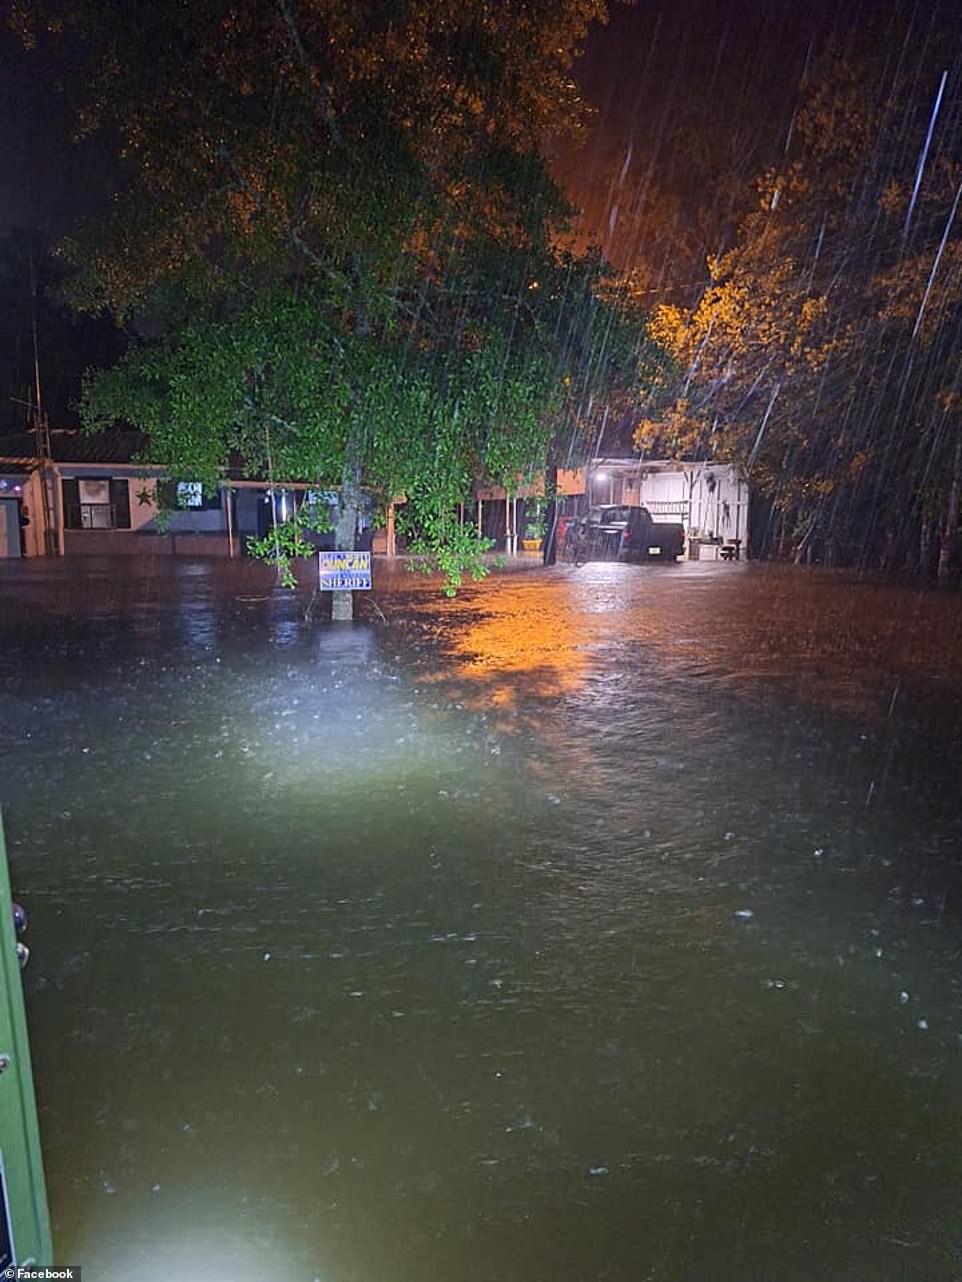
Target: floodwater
x=603, y=923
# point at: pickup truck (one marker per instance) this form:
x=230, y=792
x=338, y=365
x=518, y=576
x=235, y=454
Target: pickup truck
x=620, y=532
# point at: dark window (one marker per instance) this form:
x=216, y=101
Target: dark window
x=120, y=502
x=71, y=505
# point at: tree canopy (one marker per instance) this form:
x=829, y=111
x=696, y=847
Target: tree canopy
x=337, y=249
x=823, y=354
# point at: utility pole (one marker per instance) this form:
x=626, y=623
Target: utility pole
x=41, y=427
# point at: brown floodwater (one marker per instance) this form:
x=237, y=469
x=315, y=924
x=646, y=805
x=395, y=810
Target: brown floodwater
x=601, y=923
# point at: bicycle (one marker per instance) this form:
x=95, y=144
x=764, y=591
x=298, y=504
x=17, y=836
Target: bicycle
x=576, y=544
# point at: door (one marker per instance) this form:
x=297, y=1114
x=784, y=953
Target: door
x=9, y=527
x=24, y=1221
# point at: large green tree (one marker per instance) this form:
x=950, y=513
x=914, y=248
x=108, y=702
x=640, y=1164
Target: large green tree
x=337, y=246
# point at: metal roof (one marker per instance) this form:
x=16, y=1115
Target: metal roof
x=638, y=464
x=76, y=447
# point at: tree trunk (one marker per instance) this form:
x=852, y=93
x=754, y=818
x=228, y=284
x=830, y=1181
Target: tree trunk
x=781, y=538
x=803, y=549
x=925, y=547
x=950, y=529
x=349, y=500
x=345, y=527
x=549, y=548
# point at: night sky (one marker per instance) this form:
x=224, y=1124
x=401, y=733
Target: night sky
x=693, y=101
x=49, y=179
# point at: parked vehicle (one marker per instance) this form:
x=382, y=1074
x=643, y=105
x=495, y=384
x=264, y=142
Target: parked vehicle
x=646, y=539
x=620, y=532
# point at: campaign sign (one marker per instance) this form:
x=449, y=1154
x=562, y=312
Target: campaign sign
x=344, y=571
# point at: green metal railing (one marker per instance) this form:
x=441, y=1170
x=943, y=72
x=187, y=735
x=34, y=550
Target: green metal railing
x=24, y=1219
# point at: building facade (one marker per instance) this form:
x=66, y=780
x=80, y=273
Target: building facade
x=91, y=498
x=711, y=501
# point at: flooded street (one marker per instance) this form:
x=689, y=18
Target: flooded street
x=598, y=924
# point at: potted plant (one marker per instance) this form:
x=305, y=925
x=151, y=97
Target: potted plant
x=534, y=527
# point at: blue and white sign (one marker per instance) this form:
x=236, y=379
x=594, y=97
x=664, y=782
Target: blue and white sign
x=344, y=571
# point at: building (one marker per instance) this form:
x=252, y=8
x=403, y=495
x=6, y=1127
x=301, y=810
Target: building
x=92, y=497
x=711, y=500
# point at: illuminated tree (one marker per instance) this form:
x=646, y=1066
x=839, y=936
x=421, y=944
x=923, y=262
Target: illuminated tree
x=338, y=244
x=823, y=356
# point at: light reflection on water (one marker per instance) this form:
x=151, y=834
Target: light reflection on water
x=351, y=961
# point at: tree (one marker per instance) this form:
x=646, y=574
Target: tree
x=337, y=247
x=823, y=354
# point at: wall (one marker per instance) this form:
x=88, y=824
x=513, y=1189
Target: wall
x=142, y=509
x=571, y=480
x=718, y=510
x=666, y=495
x=140, y=543
x=199, y=521
x=33, y=497
x=143, y=512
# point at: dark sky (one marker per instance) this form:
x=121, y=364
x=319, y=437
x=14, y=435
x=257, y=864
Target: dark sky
x=693, y=96
x=48, y=179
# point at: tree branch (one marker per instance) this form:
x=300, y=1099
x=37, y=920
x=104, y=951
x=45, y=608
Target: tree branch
x=295, y=238
x=323, y=93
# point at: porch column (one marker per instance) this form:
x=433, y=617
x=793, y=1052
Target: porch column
x=58, y=516
x=390, y=533
x=230, y=520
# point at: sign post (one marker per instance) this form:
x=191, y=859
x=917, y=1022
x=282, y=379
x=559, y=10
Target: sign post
x=344, y=571
x=24, y=1219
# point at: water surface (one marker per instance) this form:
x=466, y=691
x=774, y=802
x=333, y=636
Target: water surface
x=600, y=924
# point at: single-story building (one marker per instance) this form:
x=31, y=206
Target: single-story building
x=16, y=485
x=91, y=497
x=711, y=500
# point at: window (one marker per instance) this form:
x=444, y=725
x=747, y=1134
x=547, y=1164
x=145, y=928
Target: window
x=96, y=503
x=187, y=496
x=95, y=509
x=190, y=494
x=94, y=493
x=96, y=516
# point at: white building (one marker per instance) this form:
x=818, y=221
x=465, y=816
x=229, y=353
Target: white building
x=709, y=499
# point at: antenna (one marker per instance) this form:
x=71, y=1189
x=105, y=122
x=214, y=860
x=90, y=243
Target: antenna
x=41, y=426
